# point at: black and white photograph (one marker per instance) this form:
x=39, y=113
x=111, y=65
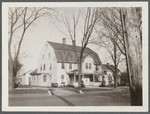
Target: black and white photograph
x=82, y=56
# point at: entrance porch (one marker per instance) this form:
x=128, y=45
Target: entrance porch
x=87, y=78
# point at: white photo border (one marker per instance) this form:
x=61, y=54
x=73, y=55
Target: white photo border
x=6, y=107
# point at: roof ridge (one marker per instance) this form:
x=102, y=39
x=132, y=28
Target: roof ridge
x=71, y=46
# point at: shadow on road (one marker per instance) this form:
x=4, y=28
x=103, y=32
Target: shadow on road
x=66, y=101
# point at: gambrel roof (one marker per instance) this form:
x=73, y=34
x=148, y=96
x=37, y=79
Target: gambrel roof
x=67, y=53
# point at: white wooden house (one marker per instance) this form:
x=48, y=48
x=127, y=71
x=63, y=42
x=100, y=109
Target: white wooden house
x=58, y=64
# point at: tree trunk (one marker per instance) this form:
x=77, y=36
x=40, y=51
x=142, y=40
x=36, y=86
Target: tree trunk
x=80, y=68
x=134, y=50
x=115, y=63
x=79, y=71
x=10, y=72
x=115, y=79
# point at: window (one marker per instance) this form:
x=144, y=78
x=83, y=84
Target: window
x=105, y=72
x=86, y=65
x=49, y=77
x=46, y=46
x=44, y=67
x=62, y=66
x=90, y=65
x=50, y=66
x=62, y=78
x=44, y=78
x=43, y=57
x=49, y=55
x=70, y=66
x=41, y=67
x=96, y=68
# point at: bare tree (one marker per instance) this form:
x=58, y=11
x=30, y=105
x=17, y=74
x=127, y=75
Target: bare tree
x=20, y=19
x=85, y=19
x=110, y=35
x=114, y=52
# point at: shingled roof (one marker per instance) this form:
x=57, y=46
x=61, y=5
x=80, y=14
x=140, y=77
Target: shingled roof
x=110, y=67
x=34, y=72
x=66, y=53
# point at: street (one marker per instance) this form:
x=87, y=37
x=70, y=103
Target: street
x=94, y=98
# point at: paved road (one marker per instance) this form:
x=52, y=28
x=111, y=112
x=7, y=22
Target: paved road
x=107, y=98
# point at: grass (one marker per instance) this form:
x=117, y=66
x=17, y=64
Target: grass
x=28, y=91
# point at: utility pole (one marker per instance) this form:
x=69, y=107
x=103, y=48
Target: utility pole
x=126, y=46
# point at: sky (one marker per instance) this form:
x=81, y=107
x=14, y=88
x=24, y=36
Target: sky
x=45, y=29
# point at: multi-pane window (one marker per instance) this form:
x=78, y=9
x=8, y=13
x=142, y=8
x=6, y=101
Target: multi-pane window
x=96, y=68
x=62, y=78
x=49, y=77
x=44, y=67
x=90, y=65
x=62, y=66
x=41, y=68
x=49, y=55
x=86, y=65
x=70, y=66
x=44, y=78
x=50, y=66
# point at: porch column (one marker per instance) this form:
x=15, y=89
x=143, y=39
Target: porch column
x=74, y=78
x=83, y=76
x=93, y=78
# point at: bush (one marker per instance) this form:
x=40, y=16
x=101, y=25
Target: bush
x=16, y=85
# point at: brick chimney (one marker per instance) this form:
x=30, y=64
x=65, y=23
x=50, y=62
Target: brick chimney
x=64, y=40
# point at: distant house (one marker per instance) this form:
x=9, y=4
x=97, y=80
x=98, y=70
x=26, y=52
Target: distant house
x=108, y=74
x=58, y=64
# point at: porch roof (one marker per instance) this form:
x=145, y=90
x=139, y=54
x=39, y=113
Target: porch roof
x=84, y=73
x=34, y=72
